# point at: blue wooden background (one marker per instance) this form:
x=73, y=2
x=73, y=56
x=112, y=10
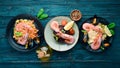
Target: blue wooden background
x=76, y=57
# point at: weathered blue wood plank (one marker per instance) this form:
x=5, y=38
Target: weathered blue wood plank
x=56, y=10
x=63, y=65
x=5, y=20
x=58, y=2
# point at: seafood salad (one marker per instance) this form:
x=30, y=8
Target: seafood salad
x=63, y=32
x=96, y=33
x=25, y=31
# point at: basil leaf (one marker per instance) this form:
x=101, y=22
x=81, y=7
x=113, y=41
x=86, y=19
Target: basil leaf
x=112, y=32
x=43, y=16
x=41, y=11
x=102, y=48
x=111, y=25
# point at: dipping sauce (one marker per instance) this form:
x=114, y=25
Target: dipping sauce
x=75, y=15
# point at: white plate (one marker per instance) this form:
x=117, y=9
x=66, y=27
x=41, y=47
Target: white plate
x=48, y=34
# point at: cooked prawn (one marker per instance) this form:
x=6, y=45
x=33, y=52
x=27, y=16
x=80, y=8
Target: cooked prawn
x=96, y=37
x=27, y=29
x=68, y=38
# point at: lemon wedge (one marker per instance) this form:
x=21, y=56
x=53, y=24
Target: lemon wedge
x=107, y=31
x=68, y=25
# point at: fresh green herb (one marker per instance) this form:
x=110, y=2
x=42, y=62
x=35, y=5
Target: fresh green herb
x=112, y=32
x=111, y=25
x=63, y=31
x=43, y=16
x=41, y=11
x=18, y=34
x=83, y=31
x=56, y=38
x=102, y=48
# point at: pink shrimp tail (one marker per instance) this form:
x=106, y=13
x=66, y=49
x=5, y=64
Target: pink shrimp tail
x=23, y=40
x=87, y=26
x=68, y=38
x=97, y=42
x=55, y=26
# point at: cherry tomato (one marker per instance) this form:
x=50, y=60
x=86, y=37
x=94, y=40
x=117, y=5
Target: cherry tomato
x=71, y=31
x=64, y=22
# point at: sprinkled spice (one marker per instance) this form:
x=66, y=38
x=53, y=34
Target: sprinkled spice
x=75, y=15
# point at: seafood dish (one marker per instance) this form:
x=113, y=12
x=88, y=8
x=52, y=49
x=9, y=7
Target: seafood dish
x=25, y=32
x=63, y=32
x=97, y=34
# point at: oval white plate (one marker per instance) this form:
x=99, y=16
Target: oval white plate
x=48, y=34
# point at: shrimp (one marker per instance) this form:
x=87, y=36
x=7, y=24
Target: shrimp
x=97, y=29
x=87, y=26
x=23, y=39
x=68, y=38
x=95, y=37
x=55, y=26
x=97, y=42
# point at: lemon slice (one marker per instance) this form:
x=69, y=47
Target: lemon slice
x=107, y=31
x=68, y=25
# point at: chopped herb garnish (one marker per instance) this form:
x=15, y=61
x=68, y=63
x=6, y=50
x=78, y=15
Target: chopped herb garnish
x=102, y=48
x=83, y=31
x=18, y=33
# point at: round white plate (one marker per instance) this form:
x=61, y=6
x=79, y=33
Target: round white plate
x=48, y=34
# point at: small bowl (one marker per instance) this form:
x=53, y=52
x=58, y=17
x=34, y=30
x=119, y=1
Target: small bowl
x=75, y=15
